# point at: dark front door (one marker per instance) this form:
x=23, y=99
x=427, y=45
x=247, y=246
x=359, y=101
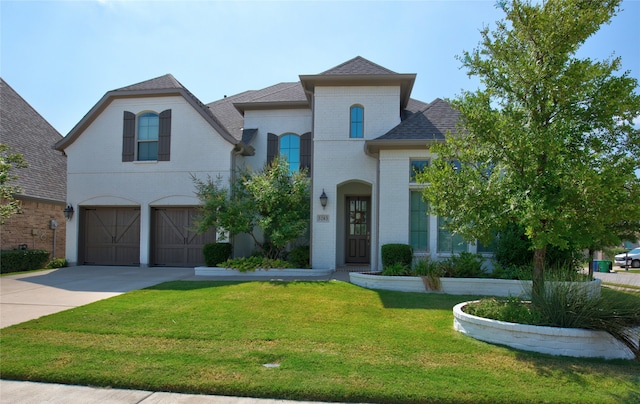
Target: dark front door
x=358, y=248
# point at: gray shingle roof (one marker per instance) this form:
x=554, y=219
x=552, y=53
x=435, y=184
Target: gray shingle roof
x=357, y=65
x=160, y=86
x=231, y=118
x=159, y=83
x=24, y=130
x=429, y=124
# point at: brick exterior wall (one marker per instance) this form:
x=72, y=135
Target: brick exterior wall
x=32, y=227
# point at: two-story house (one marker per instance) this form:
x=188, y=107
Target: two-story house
x=355, y=127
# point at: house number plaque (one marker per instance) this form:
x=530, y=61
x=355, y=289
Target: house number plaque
x=322, y=219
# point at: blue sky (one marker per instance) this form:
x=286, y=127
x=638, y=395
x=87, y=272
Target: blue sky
x=62, y=56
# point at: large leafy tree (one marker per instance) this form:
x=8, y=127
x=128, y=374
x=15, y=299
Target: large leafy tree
x=273, y=200
x=9, y=161
x=548, y=141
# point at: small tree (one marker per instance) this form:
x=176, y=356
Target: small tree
x=9, y=161
x=548, y=139
x=273, y=200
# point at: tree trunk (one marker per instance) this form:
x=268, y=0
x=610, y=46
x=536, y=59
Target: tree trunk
x=591, y=268
x=537, y=289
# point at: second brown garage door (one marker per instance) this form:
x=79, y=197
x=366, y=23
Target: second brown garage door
x=174, y=242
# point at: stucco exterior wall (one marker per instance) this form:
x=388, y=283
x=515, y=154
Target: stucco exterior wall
x=98, y=177
x=278, y=122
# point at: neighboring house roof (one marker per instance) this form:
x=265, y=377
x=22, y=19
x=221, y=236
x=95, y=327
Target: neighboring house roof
x=360, y=72
x=24, y=130
x=430, y=124
x=161, y=86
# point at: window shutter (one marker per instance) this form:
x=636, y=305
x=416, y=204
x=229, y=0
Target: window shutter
x=272, y=147
x=128, y=136
x=164, y=136
x=305, y=152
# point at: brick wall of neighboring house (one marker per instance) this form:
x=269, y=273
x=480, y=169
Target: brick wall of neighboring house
x=33, y=227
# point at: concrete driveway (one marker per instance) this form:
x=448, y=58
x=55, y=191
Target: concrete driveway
x=25, y=297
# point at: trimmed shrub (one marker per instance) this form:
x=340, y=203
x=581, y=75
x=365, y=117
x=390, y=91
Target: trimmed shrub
x=463, y=265
x=57, y=263
x=299, y=257
x=22, y=260
x=255, y=262
x=215, y=253
x=397, y=253
x=396, y=269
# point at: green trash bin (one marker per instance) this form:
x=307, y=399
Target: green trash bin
x=602, y=266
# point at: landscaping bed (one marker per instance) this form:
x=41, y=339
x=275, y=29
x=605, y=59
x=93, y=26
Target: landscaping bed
x=549, y=340
x=258, y=273
x=456, y=286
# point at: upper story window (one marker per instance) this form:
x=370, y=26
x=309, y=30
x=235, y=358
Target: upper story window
x=290, y=149
x=417, y=166
x=296, y=149
x=357, y=122
x=146, y=137
x=148, y=126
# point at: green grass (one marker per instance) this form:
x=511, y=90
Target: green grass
x=333, y=341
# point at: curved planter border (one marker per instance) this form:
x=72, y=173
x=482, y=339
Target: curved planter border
x=574, y=342
x=261, y=273
x=457, y=286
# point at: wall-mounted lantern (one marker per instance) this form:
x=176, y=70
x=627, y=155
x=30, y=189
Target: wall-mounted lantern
x=68, y=212
x=323, y=199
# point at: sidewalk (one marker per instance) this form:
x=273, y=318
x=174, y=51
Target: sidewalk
x=15, y=392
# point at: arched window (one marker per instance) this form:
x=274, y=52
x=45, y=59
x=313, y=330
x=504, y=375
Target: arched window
x=146, y=136
x=148, y=128
x=290, y=149
x=357, y=122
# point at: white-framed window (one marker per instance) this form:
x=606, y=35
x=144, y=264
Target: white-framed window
x=147, y=136
x=447, y=241
x=418, y=222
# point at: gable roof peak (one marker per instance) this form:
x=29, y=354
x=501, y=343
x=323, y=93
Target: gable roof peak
x=159, y=83
x=358, y=65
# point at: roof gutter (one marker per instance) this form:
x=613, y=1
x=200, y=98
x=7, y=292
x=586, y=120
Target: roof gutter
x=373, y=147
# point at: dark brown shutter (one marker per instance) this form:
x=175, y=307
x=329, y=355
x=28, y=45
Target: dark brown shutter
x=128, y=136
x=272, y=147
x=164, y=136
x=305, y=152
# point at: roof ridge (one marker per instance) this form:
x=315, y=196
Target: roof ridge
x=278, y=88
x=358, y=61
x=166, y=81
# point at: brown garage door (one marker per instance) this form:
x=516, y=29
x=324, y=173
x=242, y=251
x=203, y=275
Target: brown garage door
x=174, y=241
x=110, y=236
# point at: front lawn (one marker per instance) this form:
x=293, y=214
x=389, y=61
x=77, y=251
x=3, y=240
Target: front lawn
x=332, y=341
